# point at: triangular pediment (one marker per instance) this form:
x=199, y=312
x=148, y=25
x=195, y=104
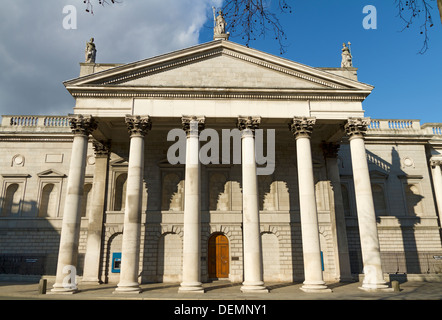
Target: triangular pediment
x=51, y=173
x=212, y=66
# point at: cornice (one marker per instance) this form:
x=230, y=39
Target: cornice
x=216, y=93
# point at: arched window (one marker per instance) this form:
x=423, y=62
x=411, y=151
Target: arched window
x=48, y=201
x=11, y=204
x=172, y=193
x=219, y=192
x=120, y=192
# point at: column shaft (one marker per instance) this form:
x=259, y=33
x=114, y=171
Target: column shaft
x=253, y=266
x=371, y=256
x=130, y=255
x=311, y=249
x=191, y=281
x=70, y=232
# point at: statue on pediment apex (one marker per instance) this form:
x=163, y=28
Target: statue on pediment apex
x=219, y=30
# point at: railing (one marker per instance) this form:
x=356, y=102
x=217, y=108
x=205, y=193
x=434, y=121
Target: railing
x=433, y=128
x=35, y=121
x=390, y=124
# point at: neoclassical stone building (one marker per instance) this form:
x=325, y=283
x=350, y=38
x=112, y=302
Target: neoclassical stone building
x=318, y=192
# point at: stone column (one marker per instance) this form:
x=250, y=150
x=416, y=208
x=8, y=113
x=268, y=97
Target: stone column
x=371, y=256
x=253, y=266
x=437, y=185
x=339, y=228
x=91, y=272
x=302, y=128
x=138, y=127
x=191, y=281
x=82, y=127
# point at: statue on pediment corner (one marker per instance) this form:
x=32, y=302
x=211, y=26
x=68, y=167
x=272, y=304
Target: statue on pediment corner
x=91, y=51
x=347, y=59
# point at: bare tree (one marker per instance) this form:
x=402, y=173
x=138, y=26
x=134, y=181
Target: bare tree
x=90, y=6
x=252, y=19
x=418, y=11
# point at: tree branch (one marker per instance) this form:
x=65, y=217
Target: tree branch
x=251, y=19
x=411, y=10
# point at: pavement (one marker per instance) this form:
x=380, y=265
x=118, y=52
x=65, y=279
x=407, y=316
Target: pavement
x=225, y=290
x=221, y=300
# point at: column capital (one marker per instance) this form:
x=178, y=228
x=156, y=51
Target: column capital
x=435, y=162
x=82, y=125
x=330, y=149
x=193, y=124
x=357, y=127
x=302, y=127
x=251, y=123
x=138, y=125
x=101, y=148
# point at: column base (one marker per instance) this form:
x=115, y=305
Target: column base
x=128, y=288
x=315, y=287
x=376, y=287
x=254, y=287
x=60, y=289
x=191, y=287
x=91, y=281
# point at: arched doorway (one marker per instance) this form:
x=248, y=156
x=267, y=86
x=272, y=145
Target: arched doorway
x=218, y=262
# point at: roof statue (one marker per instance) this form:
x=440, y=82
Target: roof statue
x=91, y=51
x=346, y=56
x=219, y=30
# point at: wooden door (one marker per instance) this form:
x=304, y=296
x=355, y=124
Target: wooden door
x=218, y=256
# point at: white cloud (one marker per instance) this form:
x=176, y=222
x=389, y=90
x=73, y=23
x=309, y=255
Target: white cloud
x=37, y=54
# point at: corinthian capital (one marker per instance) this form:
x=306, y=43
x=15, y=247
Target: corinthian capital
x=138, y=125
x=101, y=148
x=193, y=124
x=356, y=127
x=435, y=162
x=302, y=126
x=82, y=125
x=251, y=123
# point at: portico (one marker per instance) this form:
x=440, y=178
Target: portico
x=223, y=85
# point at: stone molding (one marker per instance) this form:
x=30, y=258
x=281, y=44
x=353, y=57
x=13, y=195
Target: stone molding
x=82, y=125
x=302, y=127
x=138, y=125
x=200, y=94
x=357, y=127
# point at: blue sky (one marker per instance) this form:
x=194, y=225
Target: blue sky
x=407, y=84
x=37, y=54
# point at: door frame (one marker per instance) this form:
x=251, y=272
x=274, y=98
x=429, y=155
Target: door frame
x=209, y=253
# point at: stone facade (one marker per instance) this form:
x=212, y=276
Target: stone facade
x=306, y=222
